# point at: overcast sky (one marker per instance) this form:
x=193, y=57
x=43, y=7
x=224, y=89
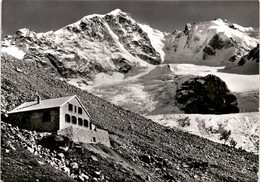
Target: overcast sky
x=45, y=15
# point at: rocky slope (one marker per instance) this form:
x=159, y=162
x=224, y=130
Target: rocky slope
x=49, y=157
x=159, y=153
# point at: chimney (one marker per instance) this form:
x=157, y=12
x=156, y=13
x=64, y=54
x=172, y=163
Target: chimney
x=38, y=99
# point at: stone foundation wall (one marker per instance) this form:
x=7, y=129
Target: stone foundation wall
x=81, y=135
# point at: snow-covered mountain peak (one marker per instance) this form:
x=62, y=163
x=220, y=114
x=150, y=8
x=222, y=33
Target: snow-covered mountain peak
x=234, y=26
x=116, y=12
x=226, y=29
x=115, y=32
x=220, y=20
x=216, y=42
x=113, y=42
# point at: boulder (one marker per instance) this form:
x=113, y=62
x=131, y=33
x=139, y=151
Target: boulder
x=84, y=176
x=66, y=170
x=96, y=174
x=30, y=149
x=146, y=158
x=94, y=158
x=54, y=141
x=74, y=165
x=60, y=156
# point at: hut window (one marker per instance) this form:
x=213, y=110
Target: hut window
x=67, y=118
x=70, y=107
x=85, y=123
x=80, y=121
x=75, y=109
x=46, y=116
x=90, y=126
x=94, y=139
x=80, y=110
x=74, y=120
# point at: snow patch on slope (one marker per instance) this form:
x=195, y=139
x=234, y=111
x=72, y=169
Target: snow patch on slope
x=243, y=29
x=239, y=83
x=14, y=51
x=235, y=82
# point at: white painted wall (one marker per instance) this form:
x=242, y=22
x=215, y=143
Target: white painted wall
x=64, y=110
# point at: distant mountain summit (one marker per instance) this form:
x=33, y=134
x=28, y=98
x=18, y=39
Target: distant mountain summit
x=96, y=43
x=116, y=31
x=217, y=42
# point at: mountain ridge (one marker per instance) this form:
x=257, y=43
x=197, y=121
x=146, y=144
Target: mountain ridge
x=133, y=43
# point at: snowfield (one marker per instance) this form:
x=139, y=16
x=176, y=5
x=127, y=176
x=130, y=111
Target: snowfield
x=235, y=82
x=152, y=90
x=239, y=83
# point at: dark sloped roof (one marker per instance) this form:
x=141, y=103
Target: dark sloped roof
x=44, y=104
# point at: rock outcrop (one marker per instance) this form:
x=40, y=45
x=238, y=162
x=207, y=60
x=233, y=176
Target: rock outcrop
x=252, y=56
x=216, y=43
x=247, y=64
x=206, y=95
